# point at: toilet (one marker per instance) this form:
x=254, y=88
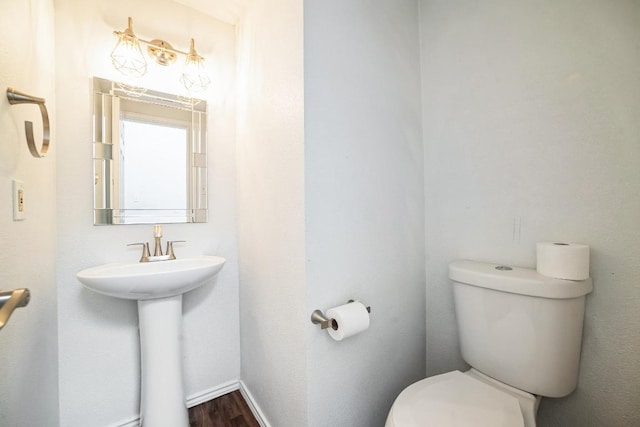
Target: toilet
x=521, y=332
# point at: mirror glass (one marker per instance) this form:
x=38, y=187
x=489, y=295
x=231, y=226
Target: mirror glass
x=149, y=156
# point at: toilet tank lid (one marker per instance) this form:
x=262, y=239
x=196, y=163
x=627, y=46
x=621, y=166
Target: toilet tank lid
x=517, y=280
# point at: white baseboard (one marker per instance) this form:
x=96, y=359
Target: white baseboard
x=198, y=398
x=133, y=422
x=255, y=409
x=212, y=393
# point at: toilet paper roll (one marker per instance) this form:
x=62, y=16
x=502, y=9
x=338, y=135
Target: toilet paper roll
x=350, y=319
x=563, y=260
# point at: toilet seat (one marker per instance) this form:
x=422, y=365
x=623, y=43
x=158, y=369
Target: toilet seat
x=454, y=400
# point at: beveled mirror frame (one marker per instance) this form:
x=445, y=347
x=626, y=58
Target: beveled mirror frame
x=107, y=98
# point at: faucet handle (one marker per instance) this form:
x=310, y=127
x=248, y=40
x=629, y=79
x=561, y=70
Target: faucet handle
x=145, y=251
x=169, y=250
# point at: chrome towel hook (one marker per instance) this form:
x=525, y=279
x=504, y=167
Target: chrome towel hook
x=17, y=97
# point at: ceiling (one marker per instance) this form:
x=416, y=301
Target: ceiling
x=227, y=11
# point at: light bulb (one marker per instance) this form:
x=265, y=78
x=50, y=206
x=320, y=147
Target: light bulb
x=194, y=76
x=127, y=56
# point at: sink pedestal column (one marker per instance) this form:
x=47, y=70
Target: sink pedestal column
x=162, y=400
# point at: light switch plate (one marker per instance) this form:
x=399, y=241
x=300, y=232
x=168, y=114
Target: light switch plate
x=18, y=200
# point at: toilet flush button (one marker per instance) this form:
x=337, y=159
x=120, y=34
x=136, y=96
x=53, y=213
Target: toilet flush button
x=504, y=268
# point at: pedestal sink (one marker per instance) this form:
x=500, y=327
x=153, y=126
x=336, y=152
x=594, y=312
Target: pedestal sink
x=158, y=287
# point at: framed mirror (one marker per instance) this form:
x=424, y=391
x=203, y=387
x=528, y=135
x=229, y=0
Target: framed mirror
x=149, y=156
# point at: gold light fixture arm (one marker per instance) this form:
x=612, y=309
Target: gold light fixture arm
x=17, y=97
x=128, y=31
x=193, y=53
x=152, y=45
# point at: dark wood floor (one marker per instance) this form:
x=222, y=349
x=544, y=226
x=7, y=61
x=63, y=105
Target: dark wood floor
x=229, y=410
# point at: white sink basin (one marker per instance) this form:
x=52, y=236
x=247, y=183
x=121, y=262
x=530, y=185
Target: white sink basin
x=151, y=280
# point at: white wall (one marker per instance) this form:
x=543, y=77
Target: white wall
x=99, y=356
x=271, y=209
x=28, y=343
x=531, y=133
x=364, y=202
x=359, y=157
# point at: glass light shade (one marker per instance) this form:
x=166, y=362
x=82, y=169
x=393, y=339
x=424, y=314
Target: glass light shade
x=194, y=76
x=127, y=56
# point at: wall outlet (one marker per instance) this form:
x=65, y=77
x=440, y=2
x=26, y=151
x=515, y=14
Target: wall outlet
x=18, y=200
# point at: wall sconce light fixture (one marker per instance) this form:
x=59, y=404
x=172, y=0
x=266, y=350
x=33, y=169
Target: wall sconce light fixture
x=127, y=57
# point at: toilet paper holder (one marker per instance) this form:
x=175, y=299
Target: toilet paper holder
x=319, y=318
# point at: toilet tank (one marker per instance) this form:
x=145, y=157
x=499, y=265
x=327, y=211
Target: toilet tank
x=520, y=327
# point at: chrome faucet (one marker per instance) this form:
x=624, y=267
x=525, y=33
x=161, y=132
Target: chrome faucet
x=145, y=251
x=157, y=250
x=157, y=236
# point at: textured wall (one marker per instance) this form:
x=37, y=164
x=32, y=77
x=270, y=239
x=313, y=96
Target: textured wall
x=99, y=358
x=28, y=343
x=364, y=204
x=270, y=159
x=531, y=133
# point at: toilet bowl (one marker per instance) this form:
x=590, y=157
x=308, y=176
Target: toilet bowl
x=463, y=399
x=507, y=320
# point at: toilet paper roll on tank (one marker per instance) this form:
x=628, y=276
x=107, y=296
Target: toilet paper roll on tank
x=569, y=261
